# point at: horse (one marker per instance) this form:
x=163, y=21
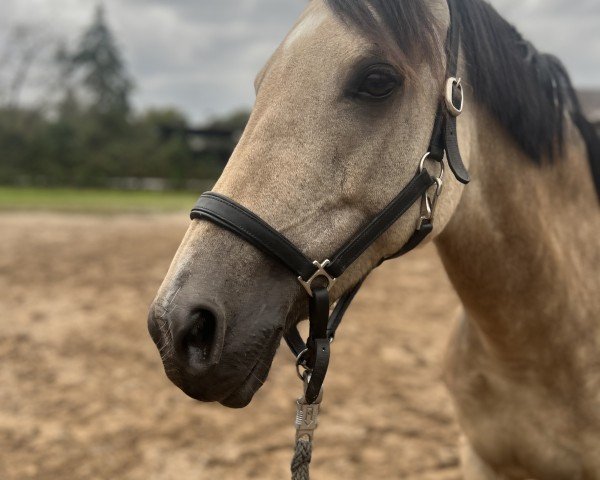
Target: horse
x=344, y=110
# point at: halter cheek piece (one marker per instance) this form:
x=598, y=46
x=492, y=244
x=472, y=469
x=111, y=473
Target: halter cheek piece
x=317, y=278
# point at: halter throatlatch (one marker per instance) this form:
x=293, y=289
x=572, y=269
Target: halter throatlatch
x=318, y=277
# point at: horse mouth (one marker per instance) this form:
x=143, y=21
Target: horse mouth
x=243, y=394
x=240, y=394
x=237, y=397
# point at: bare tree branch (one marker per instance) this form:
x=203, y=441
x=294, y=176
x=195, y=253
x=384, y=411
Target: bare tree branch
x=25, y=46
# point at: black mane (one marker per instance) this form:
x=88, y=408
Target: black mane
x=528, y=92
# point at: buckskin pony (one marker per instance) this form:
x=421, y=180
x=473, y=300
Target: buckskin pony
x=353, y=106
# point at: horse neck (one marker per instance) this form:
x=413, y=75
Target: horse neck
x=522, y=246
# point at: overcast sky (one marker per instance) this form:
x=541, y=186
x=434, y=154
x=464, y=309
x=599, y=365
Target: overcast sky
x=202, y=55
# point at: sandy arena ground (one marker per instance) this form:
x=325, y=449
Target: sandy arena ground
x=83, y=394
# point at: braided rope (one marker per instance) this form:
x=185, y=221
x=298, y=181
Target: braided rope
x=301, y=460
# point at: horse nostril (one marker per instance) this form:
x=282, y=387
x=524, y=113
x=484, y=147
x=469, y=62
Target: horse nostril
x=199, y=340
x=197, y=336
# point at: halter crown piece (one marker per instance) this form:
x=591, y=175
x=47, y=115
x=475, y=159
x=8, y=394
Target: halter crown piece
x=318, y=277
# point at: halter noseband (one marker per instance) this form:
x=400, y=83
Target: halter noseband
x=317, y=278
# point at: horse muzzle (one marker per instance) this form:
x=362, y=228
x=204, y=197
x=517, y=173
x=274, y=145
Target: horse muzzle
x=212, y=355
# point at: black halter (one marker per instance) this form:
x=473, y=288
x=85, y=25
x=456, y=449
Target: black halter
x=317, y=278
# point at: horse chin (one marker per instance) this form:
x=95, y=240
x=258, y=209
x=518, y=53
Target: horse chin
x=239, y=397
x=243, y=395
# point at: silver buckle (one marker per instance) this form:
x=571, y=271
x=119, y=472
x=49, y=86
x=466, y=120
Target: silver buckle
x=321, y=272
x=449, y=97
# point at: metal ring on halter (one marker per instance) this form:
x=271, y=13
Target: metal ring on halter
x=422, y=166
x=299, y=364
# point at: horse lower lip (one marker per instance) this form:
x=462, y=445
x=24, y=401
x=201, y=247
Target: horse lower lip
x=237, y=397
x=242, y=394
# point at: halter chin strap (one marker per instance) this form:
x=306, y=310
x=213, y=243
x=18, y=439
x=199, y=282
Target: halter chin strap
x=317, y=278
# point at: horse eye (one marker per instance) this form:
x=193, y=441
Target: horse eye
x=378, y=84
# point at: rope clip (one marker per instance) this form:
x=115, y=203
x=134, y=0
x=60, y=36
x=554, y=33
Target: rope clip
x=307, y=415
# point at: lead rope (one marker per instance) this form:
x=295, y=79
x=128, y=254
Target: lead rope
x=307, y=416
x=301, y=460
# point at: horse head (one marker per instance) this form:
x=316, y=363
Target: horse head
x=344, y=112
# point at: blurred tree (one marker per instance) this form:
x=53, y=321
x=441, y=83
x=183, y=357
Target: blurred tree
x=90, y=137
x=100, y=70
